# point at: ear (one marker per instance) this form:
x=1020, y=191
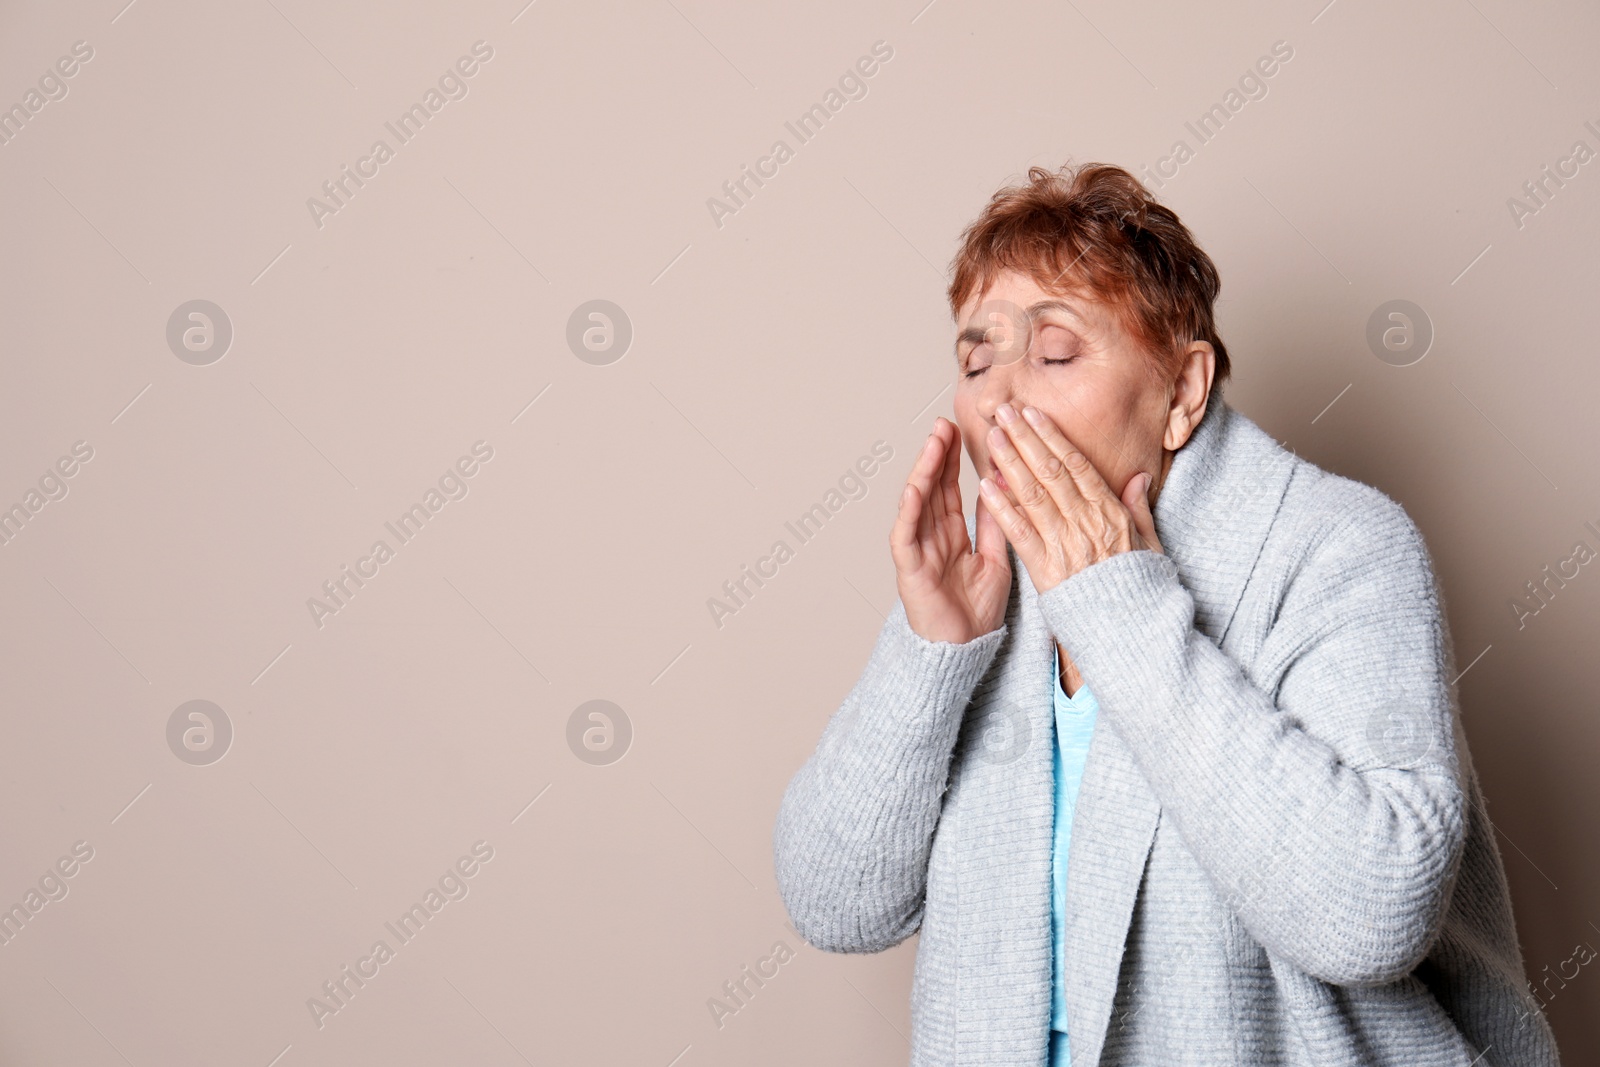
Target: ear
x=1190, y=390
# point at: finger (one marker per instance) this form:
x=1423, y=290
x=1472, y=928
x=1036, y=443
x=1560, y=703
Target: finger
x=933, y=522
x=934, y=501
x=1047, y=513
x=950, y=484
x=905, y=548
x=933, y=504
x=912, y=516
x=1089, y=485
x=991, y=538
x=1055, y=490
x=1136, y=498
x=1014, y=523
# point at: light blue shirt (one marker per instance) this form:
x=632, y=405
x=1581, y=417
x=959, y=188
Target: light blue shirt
x=1074, y=727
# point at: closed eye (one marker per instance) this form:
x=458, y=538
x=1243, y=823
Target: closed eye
x=1052, y=362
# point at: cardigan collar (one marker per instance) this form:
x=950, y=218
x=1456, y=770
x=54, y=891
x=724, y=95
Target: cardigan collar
x=1212, y=516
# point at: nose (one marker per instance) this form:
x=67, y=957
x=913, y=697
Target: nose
x=999, y=387
x=1011, y=336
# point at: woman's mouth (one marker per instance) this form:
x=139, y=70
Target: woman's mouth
x=998, y=478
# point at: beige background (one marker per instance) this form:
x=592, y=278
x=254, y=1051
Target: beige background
x=768, y=356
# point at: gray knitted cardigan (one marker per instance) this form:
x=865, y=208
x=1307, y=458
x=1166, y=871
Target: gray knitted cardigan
x=1279, y=854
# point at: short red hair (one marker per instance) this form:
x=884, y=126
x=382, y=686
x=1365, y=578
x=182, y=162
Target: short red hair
x=1097, y=226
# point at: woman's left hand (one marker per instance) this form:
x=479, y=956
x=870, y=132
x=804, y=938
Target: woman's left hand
x=1064, y=517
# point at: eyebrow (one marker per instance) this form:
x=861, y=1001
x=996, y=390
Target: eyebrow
x=978, y=334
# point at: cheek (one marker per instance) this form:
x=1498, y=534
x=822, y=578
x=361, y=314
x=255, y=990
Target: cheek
x=1139, y=450
x=1125, y=447
x=1149, y=424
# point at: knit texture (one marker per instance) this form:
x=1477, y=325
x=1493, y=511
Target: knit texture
x=1280, y=853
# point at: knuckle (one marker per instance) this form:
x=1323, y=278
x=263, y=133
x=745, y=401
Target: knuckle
x=1110, y=529
x=1054, y=468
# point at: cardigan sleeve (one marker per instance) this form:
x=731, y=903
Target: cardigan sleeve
x=1327, y=815
x=855, y=827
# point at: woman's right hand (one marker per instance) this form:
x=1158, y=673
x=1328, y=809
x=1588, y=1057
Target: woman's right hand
x=950, y=593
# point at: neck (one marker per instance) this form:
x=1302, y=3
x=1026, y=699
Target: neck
x=1070, y=678
x=1161, y=476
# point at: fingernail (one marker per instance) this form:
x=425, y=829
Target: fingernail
x=1007, y=413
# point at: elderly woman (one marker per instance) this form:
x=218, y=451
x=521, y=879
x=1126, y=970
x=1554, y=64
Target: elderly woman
x=1187, y=785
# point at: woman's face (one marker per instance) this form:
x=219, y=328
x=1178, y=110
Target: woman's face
x=1069, y=357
